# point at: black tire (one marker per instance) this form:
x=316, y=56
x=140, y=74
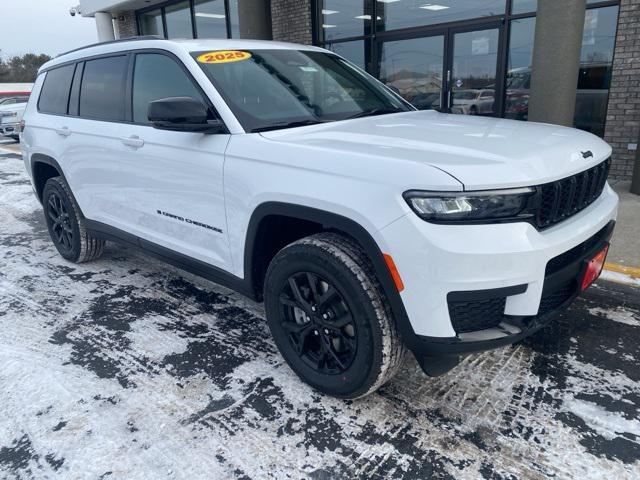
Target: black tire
x=66, y=224
x=473, y=110
x=347, y=360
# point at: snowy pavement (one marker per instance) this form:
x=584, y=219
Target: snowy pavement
x=126, y=368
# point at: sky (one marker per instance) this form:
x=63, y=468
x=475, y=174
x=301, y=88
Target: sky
x=42, y=26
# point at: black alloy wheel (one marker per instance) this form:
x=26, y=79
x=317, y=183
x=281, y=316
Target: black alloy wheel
x=61, y=229
x=329, y=318
x=66, y=224
x=320, y=326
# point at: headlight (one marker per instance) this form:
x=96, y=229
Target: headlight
x=486, y=205
x=8, y=114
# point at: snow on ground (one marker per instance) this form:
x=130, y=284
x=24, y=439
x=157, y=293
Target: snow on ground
x=128, y=368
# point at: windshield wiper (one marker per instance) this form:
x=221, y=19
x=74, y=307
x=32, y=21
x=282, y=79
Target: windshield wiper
x=277, y=126
x=375, y=111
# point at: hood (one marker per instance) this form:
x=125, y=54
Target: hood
x=481, y=152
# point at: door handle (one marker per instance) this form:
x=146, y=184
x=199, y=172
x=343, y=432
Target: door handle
x=63, y=131
x=133, y=141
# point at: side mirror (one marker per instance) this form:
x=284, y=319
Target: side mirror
x=182, y=114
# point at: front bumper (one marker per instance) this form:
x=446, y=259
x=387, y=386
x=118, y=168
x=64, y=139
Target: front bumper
x=440, y=263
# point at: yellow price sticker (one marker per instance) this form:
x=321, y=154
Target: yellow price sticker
x=224, y=56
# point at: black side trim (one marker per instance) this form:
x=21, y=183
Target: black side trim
x=475, y=295
x=47, y=160
x=333, y=221
x=197, y=267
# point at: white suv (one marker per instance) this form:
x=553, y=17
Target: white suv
x=11, y=112
x=286, y=173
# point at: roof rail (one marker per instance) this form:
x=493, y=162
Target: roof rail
x=109, y=42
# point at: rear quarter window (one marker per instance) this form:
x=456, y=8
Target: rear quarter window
x=54, y=97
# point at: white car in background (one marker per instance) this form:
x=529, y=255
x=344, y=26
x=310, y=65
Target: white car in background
x=10, y=118
x=473, y=102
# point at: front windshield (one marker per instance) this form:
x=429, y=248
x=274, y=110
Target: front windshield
x=271, y=89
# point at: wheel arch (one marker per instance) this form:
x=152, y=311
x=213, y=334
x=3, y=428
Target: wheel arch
x=43, y=167
x=326, y=221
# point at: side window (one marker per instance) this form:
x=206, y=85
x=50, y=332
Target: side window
x=102, y=89
x=54, y=97
x=157, y=76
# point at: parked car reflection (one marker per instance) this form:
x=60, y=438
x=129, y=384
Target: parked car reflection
x=591, y=98
x=473, y=102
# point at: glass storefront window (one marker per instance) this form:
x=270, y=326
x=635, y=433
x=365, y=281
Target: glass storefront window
x=352, y=51
x=598, y=41
x=393, y=14
x=475, y=60
x=151, y=23
x=413, y=68
x=234, y=18
x=178, y=17
x=345, y=18
x=523, y=6
x=519, y=68
x=594, y=78
x=526, y=6
x=211, y=19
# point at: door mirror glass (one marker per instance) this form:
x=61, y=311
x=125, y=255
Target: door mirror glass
x=182, y=114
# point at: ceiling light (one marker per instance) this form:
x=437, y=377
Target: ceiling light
x=329, y=12
x=434, y=7
x=324, y=25
x=388, y=1
x=209, y=15
x=366, y=17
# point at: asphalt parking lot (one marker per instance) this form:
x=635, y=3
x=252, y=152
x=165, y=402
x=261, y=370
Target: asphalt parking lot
x=127, y=368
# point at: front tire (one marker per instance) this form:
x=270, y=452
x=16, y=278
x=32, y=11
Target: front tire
x=329, y=317
x=66, y=224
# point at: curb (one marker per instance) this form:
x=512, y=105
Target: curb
x=621, y=274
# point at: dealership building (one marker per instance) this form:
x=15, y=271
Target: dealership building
x=572, y=62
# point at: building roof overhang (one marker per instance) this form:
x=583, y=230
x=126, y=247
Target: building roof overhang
x=88, y=8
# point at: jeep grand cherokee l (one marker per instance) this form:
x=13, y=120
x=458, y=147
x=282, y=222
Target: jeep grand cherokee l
x=290, y=175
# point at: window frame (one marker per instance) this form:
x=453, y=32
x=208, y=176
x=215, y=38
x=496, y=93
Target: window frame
x=127, y=56
x=170, y=55
x=62, y=65
x=128, y=91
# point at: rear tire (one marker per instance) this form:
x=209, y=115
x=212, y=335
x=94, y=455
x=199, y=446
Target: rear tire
x=336, y=332
x=66, y=224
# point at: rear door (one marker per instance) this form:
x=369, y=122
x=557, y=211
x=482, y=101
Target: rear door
x=173, y=180
x=91, y=133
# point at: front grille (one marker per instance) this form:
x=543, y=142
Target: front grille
x=563, y=198
x=552, y=300
x=471, y=316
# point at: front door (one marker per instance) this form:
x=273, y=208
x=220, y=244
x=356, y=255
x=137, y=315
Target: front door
x=172, y=180
x=452, y=70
